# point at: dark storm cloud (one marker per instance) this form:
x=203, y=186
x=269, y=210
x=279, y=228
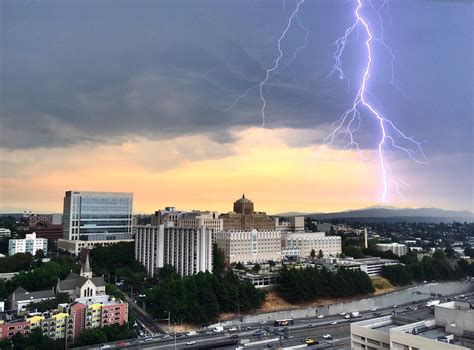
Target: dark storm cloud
x=108, y=71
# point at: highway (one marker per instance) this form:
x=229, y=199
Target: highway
x=277, y=337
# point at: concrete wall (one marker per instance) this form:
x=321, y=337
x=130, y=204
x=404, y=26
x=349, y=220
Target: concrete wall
x=387, y=300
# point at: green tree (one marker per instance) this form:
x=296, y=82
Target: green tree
x=91, y=336
x=256, y=268
x=353, y=251
x=312, y=254
x=320, y=254
x=218, y=265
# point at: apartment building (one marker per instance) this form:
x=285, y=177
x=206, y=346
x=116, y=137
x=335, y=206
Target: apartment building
x=30, y=244
x=305, y=242
x=395, y=248
x=250, y=246
x=189, y=250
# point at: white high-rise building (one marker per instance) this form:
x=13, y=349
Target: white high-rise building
x=189, y=250
x=30, y=244
x=250, y=246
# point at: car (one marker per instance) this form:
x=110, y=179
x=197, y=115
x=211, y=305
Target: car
x=310, y=325
x=233, y=329
x=234, y=336
x=120, y=344
x=189, y=334
x=248, y=328
x=327, y=336
x=106, y=346
x=268, y=345
x=342, y=313
x=320, y=316
x=334, y=322
x=373, y=309
x=347, y=316
x=309, y=341
x=192, y=342
x=304, y=340
x=166, y=336
x=395, y=306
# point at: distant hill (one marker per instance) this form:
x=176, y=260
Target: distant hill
x=398, y=214
x=391, y=214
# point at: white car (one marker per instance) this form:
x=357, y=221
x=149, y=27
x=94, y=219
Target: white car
x=373, y=309
x=327, y=336
x=191, y=333
x=192, y=342
x=233, y=329
x=342, y=313
x=320, y=316
x=334, y=322
x=347, y=316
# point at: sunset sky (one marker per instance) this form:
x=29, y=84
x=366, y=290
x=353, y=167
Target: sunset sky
x=133, y=96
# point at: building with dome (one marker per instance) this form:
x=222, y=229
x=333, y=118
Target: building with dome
x=244, y=218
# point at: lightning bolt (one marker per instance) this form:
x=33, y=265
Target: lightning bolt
x=350, y=121
x=276, y=64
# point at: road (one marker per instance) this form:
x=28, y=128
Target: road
x=302, y=328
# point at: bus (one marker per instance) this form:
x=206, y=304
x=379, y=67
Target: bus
x=286, y=322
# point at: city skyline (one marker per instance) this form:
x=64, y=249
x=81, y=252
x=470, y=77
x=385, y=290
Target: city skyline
x=92, y=105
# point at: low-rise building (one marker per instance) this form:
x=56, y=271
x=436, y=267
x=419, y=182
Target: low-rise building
x=30, y=244
x=294, y=223
x=395, y=248
x=371, y=265
x=452, y=328
x=21, y=298
x=308, y=241
x=5, y=232
x=76, y=246
x=250, y=246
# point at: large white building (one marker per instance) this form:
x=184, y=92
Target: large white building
x=30, y=244
x=395, y=248
x=93, y=217
x=189, y=250
x=452, y=328
x=305, y=242
x=250, y=246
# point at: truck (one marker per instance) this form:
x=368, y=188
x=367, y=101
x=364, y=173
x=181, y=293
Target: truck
x=432, y=303
x=355, y=314
x=218, y=329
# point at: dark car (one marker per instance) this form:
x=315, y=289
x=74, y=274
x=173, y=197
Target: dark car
x=234, y=336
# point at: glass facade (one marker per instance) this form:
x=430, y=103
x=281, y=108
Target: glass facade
x=97, y=215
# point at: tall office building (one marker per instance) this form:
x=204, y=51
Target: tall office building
x=189, y=250
x=92, y=217
x=245, y=218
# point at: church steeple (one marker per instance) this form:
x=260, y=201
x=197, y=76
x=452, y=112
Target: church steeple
x=86, y=268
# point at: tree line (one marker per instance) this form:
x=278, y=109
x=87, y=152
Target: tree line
x=436, y=267
x=42, y=276
x=200, y=298
x=311, y=283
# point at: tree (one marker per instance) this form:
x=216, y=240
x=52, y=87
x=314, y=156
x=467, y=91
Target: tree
x=39, y=254
x=320, y=254
x=353, y=251
x=256, y=268
x=312, y=254
x=167, y=273
x=218, y=265
x=91, y=336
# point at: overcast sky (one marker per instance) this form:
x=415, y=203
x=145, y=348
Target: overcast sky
x=127, y=90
